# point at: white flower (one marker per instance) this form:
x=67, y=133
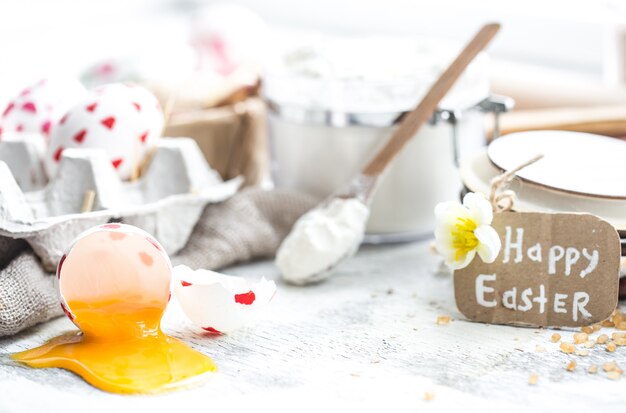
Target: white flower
x=464, y=230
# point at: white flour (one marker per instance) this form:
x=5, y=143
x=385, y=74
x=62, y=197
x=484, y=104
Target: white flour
x=320, y=239
x=365, y=74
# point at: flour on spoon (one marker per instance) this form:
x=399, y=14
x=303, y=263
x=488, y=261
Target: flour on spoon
x=320, y=239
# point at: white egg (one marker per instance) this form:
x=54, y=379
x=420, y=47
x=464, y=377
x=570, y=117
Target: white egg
x=124, y=120
x=39, y=106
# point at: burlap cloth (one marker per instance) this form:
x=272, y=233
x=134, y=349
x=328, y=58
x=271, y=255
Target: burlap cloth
x=248, y=226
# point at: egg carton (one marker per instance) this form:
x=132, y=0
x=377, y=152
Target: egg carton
x=167, y=200
x=23, y=154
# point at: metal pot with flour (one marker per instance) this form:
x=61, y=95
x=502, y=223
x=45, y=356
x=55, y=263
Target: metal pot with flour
x=332, y=102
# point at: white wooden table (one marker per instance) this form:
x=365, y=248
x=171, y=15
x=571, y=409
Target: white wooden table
x=365, y=339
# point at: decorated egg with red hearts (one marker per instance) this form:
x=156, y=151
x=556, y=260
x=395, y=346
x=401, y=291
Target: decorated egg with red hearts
x=38, y=107
x=116, y=262
x=122, y=119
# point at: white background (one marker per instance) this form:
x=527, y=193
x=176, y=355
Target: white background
x=44, y=37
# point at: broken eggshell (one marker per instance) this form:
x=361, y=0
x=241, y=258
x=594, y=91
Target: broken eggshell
x=220, y=303
x=122, y=119
x=39, y=106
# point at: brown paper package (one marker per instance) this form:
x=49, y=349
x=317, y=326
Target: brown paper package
x=233, y=138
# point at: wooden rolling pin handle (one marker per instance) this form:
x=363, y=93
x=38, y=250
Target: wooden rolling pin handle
x=602, y=120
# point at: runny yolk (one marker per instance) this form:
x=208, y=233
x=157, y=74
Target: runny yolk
x=121, y=349
x=114, y=282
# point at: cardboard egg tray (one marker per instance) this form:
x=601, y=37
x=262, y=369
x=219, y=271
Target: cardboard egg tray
x=167, y=200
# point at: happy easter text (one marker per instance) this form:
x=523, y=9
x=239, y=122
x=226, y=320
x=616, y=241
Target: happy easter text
x=559, y=260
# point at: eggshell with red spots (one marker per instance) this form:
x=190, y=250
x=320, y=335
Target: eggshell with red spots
x=39, y=106
x=219, y=303
x=114, y=262
x=123, y=120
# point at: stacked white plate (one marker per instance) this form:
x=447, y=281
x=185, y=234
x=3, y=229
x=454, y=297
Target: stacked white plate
x=579, y=172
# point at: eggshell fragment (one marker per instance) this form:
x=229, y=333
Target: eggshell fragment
x=220, y=303
x=124, y=120
x=39, y=106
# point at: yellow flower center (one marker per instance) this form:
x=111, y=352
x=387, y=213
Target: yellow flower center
x=463, y=238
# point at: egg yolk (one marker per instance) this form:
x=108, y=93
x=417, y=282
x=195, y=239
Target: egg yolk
x=120, y=347
x=127, y=354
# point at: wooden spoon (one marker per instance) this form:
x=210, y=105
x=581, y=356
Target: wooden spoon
x=414, y=120
x=363, y=186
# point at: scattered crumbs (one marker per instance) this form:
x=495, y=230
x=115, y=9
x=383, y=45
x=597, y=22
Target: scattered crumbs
x=571, y=366
x=373, y=295
x=613, y=375
x=582, y=353
x=533, y=379
x=355, y=374
x=540, y=349
x=615, y=368
x=376, y=361
x=610, y=347
x=414, y=295
x=607, y=323
x=390, y=291
x=414, y=328
x=580, y=338
x=515, y=339
x=555, y=337
x=593, y=369
x=429, y=396
x=596, y=327
x=620, y=341
x=443, y=320
x=567, y=348
x=587, y=329
x=410, y=315
x=432, y=247
x=615, y=321
x=602, y=339
x=589, y=344
x=609, y=366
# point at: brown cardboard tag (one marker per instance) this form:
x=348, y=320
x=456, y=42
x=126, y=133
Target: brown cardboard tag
x=554, y=269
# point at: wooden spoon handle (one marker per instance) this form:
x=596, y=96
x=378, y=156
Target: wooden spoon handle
x=424, y=110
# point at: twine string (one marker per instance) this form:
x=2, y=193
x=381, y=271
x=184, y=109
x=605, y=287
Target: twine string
x=501, y=198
